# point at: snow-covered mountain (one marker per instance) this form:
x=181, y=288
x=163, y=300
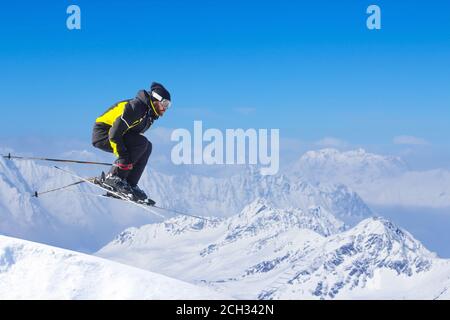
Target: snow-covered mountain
x=284, y=236
x=31, y=270
x=74, y=219
x=270, y=253
x=225, y=197
x=375, y=259
x=379, y=180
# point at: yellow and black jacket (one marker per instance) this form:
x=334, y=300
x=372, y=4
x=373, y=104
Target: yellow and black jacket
x=135, y=115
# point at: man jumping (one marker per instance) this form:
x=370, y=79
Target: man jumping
x=120, y=131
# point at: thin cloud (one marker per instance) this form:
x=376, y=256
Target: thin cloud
x=332, y=142
x=245, y=111
x=198, y=112
x=410, y=140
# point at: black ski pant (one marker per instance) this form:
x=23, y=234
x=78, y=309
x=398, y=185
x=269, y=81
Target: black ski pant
x=139, y=150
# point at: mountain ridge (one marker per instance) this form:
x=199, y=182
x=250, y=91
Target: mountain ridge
x=292, y=262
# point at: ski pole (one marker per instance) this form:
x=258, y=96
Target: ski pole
x=9, y=156
x=36, y=194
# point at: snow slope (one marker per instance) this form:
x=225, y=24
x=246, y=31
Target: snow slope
x=34, y=271
x=271, y=253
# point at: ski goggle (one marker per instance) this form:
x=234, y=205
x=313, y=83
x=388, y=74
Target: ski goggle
x=164, y=102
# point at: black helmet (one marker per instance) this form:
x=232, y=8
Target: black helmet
x=159, y=89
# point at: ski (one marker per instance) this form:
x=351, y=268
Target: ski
x=143, y=206
x=182, y=213
x=153, y=206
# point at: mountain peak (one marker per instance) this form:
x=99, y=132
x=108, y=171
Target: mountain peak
x=262, y=216
x=355, y=260
x=380, y=225
x=348, y=167
x=392, y=234
x=380, y=243
x=257, y=206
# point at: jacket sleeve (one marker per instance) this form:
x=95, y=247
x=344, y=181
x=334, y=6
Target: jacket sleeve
x=129, y=118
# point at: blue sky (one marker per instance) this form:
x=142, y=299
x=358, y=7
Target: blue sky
x=310, y=68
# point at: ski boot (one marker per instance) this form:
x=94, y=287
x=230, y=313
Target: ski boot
x=116, y=184
x=140, y=196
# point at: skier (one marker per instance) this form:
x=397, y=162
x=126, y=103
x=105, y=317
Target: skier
x=120, y=131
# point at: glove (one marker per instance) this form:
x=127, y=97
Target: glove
x=124, y=163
